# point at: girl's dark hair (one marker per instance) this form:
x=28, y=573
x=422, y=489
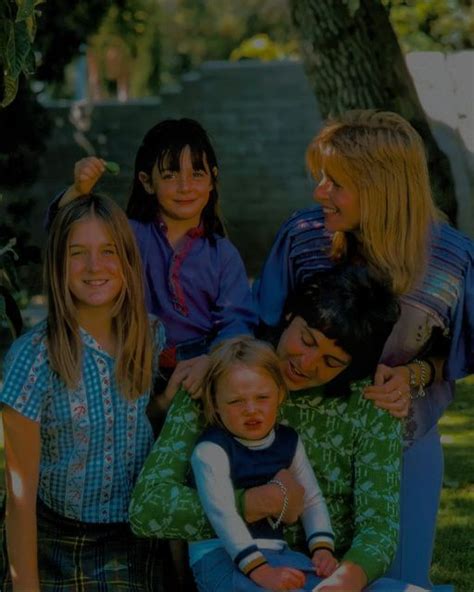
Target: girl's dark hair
x=162, y=145
x=355, y=309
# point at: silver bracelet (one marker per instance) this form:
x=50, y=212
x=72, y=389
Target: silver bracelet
x=276, y=523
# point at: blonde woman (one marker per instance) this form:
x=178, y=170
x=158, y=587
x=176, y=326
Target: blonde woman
x=74, y=396
x=376, y=209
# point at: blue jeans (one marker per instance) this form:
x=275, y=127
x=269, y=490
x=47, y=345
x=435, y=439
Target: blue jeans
x=422, y=479
x=216, y=572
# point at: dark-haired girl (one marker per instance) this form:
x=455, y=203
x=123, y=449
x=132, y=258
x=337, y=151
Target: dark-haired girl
x=195, y=278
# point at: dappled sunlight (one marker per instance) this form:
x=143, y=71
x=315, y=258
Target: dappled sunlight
x=456, y=419
x=458, y=440
x=16, y=484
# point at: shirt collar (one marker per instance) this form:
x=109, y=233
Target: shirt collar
x=91, y=342
x=195, y=232
x=258, y=444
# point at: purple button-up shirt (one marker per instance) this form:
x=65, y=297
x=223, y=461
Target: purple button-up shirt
x=197, y=290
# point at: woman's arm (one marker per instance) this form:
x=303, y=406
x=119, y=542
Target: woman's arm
x=271, y=289
x=162, y=504
x=22, y=455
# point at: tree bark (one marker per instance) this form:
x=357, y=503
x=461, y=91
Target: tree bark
x=353, y=61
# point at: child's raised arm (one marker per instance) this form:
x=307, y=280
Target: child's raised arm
x=87, y=173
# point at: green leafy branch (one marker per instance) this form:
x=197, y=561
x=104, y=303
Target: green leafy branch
x=9, y=310
x=17, y=33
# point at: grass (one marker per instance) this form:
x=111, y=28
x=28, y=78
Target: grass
x=453, y=560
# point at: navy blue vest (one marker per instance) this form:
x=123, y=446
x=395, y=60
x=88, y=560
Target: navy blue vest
x=250, y=468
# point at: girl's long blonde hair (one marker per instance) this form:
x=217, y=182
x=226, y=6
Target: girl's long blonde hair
x=380, y=158
x=245, y=351
x=134, y=353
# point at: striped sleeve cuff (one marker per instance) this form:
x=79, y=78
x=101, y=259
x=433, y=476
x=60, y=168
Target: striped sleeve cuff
x=321, y=540
x=249, y=559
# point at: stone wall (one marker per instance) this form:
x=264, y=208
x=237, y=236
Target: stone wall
x=261, y=117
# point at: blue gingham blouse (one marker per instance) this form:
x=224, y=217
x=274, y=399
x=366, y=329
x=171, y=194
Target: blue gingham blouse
x=93, y=441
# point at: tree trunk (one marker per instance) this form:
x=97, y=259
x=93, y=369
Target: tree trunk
x=353, y=61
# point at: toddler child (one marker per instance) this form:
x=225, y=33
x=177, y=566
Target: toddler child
x=245, y=447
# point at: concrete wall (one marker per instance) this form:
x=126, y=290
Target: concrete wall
x=261, y=117
x=445, y=85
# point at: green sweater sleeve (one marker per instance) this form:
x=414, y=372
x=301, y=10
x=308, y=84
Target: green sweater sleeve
x=377, y=459
x=162, y=505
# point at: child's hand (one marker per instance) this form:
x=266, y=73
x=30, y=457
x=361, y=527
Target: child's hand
x=87, y=172
x=189, y=374
x=278, y=578
x=348, y=576
x=324, y=562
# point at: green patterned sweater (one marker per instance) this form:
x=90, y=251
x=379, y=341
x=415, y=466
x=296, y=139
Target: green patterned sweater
x=355, y=450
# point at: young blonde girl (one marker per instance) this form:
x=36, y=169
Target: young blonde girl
x=246, y=447
x=75, y=391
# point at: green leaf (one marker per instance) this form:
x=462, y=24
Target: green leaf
x=29, y=63
x=26, y=8
x=10, y=88
x=7, y=33
x=112, y=167
x=31, y=27
x=353, y=6
x=18, y=48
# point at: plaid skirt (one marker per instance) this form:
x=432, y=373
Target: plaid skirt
x=77, y=556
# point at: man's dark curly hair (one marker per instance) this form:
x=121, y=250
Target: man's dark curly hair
x=351, y=306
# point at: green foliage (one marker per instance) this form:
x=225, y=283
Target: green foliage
x=194, y=31
x=433, y=25
x=17, y=33
x=453, y=560
x=132, y=34
x=112, y=167
x=9, y=310
x=261, y=47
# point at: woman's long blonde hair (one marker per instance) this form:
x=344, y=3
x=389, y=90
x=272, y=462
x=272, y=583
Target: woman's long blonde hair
x=134, y=353
x=380, y=158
